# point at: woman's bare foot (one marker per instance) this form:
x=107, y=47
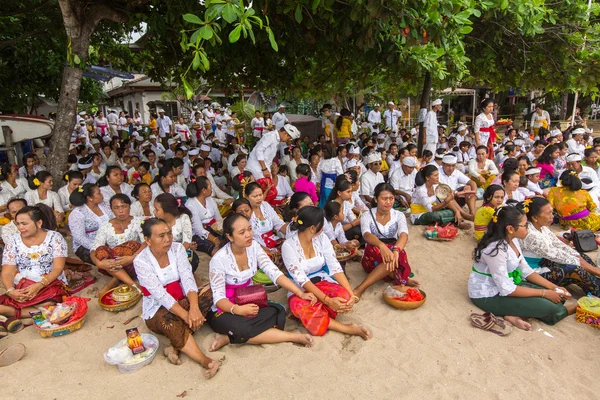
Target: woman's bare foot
x=109, y=285
x=361, y=331
x=172, y=355
x=571, y=307
x=219, y=342
x=518, y=322
x=304, y=339
x=213, y=368
x=413, y=283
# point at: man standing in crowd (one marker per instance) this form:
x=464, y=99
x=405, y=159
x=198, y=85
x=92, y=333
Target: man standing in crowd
x=391, y=116
x=279, y=118
x=431, y=126
x=165, y=126
x=374, y=119
x=261, y=157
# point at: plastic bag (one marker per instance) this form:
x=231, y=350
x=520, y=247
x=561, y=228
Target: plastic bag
x=447, y=232
x=61, y=313
x=81, y=308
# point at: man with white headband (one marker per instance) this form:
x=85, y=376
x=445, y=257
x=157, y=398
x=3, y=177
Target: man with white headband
x=374, y=119
x=261, y=157
x=392, y=116
x=533, y=177
x=354, y=154
x=403, y=180
x=431, y=126
x=574, y=163
x=84, y=165
x=463, y=187
x=575, y=144
x=372, y=177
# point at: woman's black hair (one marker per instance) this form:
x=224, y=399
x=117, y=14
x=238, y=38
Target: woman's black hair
x=410, y=147
x=425, y=173
x=15, y=200
x=136, y=190
x=546, y=156
x=163, y=172
x=332, y=208
x=366, y=151
x=307, y=217
x=236, y=184
x=251, y=187
x=40, y=176
x=228, y=225
x=343, y=113
x=534, y=207
x=238, y=203
x=196, y=187
x=40, y=212
x=485, y=103
x=171, y=205
x=78, y=198
x=149, y=224
x=587, y=152
x=427, y=153
x=570, y=179
x=380, y=188
x=175, y=163
x=295, y=202
x=510, y=164
x=481, y=148
x=145, y=164
x=496, y=231
x=507, y=149
x=72, y=175
x=103, y=181
x=539, y=142
x=239, y=158
x=341, y=185
x=120, y=196
x=27, y=157
x=489, y=193
x=5, y=169
x=525, y=158
x=304, y=170
x=352, y=176
x=506, y=175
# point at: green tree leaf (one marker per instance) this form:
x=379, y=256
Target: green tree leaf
x=298, y=13
x=205, y=32
x=466, y=30
x=230, y=13
x=234, y=35
x=196, y=62
x=192, y=19
x=272, y=39
x=76, y=59
x=189, y=91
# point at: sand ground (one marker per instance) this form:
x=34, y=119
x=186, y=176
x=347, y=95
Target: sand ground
x=429, y=353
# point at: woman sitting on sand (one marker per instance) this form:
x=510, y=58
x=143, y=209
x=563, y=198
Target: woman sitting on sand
x=334, y=217
x=502, y=283
x=205, y=213
x=386, y=233
x=90, y=213
x=310, y=261
x=425, y=207
x=550, y=257
x=41, y=192
x=33, y=264
x=342, y=194
x=511, y=181
x=117, y=243
x=574, y=205
x=172, y=305
x=144, y=206
x=232, y=268
x=481, y=169
x=493, y=197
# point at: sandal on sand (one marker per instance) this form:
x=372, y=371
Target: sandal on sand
x=12, y=354
x=489, y=322
x=78, y=285
x=11, y=324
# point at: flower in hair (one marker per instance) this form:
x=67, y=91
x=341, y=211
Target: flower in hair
x=142, y=223
x=495, y=219
x=80, y=189
x=36, y=182
x=67, y=177
x=299, y=222
x=573, y=173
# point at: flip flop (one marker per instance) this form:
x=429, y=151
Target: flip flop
x=489, y=322
x=12, y=325
x=80, y=284
x=12, y=354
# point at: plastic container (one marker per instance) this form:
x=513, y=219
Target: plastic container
x=150, y=342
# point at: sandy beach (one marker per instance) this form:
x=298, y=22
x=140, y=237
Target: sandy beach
x=430, y=353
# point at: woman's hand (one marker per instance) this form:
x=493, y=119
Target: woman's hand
x=386, y=254
x=308, y=297
x=228, y=202
x=352, y=244
x=17, y=295
x=482, y=180
x=60, y=218
x=565, y=294
x=552, y=296
x=195, y=318
x=337, y=304
x=31, y=291
x=247, y=310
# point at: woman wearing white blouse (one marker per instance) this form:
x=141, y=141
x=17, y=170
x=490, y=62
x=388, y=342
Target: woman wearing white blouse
x=310, y=261
x=74, y=179
x=485, y=135
x=112, y=183
x=233, y=267
x=502, y=283
x=164, y=182
x=205, y=213
x=98, y=166
x=144, y=206
x=171, y=210
x=117, y=243
x=284, y=191
x=12, y=185
x=89, y=215
x=172, y=305
x=41, y=192
x=264, y=219
x=386, y=233
x=481, y=169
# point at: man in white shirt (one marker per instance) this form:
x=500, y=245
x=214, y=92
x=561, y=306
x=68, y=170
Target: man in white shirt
x=156, y=147
x=403, y=180
x=374, y=119
x=170, y=152
x=575, y=144
x=392, y=116
x=464, y=188
x=574, y=163
x=279, y=118
x=371, y=178
x=431, y=126
x=261, y=157
x=165, y=125
x=209, y=115
x=113, y=120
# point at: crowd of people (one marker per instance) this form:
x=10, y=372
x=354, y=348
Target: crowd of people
x=141, y=200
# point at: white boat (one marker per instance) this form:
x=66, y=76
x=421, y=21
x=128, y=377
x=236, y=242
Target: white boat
x=26, y=127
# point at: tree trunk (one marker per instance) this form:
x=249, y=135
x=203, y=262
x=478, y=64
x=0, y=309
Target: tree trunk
x=424, y=105
x=564, y=105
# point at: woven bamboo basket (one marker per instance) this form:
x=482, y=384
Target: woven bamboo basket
x=119, y=306
x=61, y=330
x=404, y=305
x=588, y=311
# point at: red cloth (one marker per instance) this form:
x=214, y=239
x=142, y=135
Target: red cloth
x=173, y=288
x=372, y=258
x=272, y=193
x=316, y=318
x=54, y=291
x=490, y=143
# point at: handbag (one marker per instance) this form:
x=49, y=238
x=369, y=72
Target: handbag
x=584, y=241
x=254, y=294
